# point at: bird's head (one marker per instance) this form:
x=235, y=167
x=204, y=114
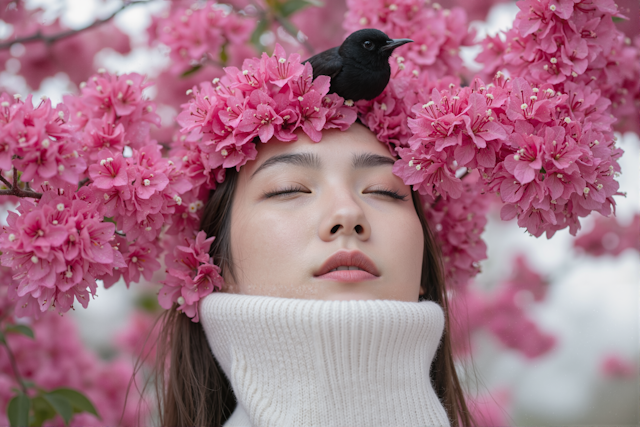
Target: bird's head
x=370, y=47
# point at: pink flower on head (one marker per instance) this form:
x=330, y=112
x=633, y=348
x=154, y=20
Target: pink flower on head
x=280, y=69
x=339, y=116
x=313, y=115
x=260, y=119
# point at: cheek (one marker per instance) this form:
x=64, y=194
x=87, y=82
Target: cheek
x=404, y=243
x=262, y=240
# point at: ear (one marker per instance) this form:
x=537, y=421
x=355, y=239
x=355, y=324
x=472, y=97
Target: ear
x=421, y=291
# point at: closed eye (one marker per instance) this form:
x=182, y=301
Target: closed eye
x=391, y=193
x=285, y=191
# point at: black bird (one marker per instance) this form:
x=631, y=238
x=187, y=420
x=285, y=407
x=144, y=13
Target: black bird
x=359, y=68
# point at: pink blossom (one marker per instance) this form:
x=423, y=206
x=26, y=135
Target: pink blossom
x=616, y=366
x=610, y=237
x=141, y=259
x=280, y=69
x=191, y=275
x=458, y=225
x=110, y=171
x=57, y=248
x=198, y=34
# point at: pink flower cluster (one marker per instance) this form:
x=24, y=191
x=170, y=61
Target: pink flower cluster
x=41, y=140
x=609, y=237
x=62, y=243
x=58, y=358
x=550, y=156
x=200, y=34
x=503, y=313
x=437, y=33
x=112, y=113
x=387, y=115
x=191, y=275
x=555, y=42
x=458, y=225
x=139, y=193
x=57, y=249
x=270, y=97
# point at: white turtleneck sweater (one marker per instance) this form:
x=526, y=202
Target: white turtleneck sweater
x=295, y=362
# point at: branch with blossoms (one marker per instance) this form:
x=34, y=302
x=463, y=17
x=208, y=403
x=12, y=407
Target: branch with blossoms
x=49, y=39
x=81, y=224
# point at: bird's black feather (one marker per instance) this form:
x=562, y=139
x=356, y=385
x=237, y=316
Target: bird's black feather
x=359, y=68
x=327, y=63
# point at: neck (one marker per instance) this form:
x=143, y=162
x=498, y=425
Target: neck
x=310, y=362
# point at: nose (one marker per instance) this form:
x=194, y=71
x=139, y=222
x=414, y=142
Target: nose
x=344, y=216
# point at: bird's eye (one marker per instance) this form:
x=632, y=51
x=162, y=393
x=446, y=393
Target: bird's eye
x=368, y=45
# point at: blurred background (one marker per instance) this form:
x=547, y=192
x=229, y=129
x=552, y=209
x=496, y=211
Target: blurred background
x=554, y=324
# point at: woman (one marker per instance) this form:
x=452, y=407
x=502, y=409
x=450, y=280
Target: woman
x=325, y=255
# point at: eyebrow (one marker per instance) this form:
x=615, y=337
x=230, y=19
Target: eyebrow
x=312, y=161
x=308, y=160
x=370, y=160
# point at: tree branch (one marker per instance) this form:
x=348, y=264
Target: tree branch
x=15, y=190
x=38, y=36
x=14, y=365
x=4, y=180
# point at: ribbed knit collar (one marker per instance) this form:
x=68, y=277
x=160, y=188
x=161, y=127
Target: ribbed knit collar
x=294, y=362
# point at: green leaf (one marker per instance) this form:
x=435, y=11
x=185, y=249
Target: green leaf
x=108, y=219
x=292, y=6
x=2, y=340
x=191, y=71
x=616, y=19
x=20, y=329
x=18, y=410
x=28, y=384
x=42, y=411
x=61, y=405
x=260, y=29
x=79, y=401
x=543, y=170
x=149, y=303
x=224, y=56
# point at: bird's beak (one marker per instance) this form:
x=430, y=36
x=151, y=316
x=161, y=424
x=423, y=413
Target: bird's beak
x=394, y=43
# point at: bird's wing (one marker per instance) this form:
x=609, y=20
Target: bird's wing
x=327, y=63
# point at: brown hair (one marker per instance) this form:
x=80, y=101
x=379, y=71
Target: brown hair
x=195, y=391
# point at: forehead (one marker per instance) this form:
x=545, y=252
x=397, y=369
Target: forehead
x=335, y=145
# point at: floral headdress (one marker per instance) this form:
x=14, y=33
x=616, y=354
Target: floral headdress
x=270, y=97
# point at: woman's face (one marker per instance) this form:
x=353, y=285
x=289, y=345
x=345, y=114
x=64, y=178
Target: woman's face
x=298, y=204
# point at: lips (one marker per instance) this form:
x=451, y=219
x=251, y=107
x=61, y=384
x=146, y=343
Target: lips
x=368, y=269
